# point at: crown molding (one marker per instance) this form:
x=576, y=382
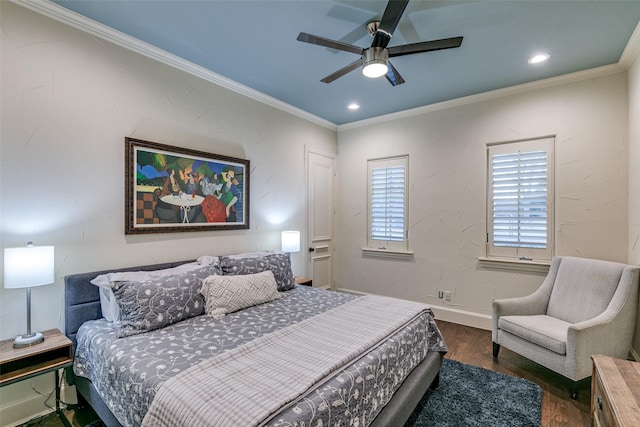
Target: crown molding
x=65, y=16
x=486, y=96
x=73, y=19
x=632, y=50
x=629, y=55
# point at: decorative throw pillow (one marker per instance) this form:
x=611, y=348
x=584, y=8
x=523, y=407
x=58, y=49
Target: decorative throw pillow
x=153, y=304
x=108, y=301
x=278, y=262
x=226, y=294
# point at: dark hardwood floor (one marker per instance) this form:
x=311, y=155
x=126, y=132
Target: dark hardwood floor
x=471, y=346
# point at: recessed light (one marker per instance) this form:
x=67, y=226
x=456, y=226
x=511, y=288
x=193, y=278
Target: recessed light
x=538, y=58
x=353, y=106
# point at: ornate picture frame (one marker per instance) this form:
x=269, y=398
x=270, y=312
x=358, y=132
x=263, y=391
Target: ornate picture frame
x=173, y=189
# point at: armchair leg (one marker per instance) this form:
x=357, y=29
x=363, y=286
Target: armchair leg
x=573, y=390
x=496, y=349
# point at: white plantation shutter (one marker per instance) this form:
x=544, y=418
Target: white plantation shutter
x=520, y=199
x=520, y=208
x=388, y=203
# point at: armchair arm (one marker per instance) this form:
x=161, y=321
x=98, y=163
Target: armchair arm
x=604, y=334
x=529, y=305
x=609, y=333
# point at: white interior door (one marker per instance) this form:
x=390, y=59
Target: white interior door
x=320, y=214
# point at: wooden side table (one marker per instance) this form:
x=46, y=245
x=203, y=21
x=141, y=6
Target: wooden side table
x=615, y=392
x=303, y=281
x=18, y=364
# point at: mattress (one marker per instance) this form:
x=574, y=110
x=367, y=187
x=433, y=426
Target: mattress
x=128, y=372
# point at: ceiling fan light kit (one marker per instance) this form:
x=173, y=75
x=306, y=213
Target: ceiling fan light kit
x=374, y=60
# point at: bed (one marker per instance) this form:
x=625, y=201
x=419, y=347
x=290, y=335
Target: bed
x=122, y=378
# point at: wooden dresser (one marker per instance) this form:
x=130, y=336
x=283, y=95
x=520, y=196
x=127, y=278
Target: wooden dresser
x=615, y=392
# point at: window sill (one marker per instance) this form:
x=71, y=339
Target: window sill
x=387, y=254
x=514, y=264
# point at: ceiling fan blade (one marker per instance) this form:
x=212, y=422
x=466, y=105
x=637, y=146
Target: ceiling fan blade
x=429, y=46
x=321, y=41
x=393, y=75
x=389, y=22
x=341, y=72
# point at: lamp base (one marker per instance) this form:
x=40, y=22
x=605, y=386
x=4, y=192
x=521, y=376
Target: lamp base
x=28, y=340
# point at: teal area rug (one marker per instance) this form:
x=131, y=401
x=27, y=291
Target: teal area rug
x=472, y=396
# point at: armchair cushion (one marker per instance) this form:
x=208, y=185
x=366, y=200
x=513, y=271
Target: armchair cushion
x=583, y=288
x=545, y=331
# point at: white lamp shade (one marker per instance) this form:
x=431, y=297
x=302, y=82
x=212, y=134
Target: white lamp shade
x=28, y=267
x=290, y=241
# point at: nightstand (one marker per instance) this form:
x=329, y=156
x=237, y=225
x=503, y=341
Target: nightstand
x=303, y=281
x=18, y=364
x=615, y=390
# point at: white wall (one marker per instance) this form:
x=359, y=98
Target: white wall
x=634, y=161
x=634, y=173
x=447, y=191
x=68, y=101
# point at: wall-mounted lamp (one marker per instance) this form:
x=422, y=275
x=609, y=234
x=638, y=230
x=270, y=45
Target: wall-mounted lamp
x=290, y=241
x=25, y=268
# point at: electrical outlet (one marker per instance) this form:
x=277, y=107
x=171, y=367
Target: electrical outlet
x=447, y=295
x=440, y=294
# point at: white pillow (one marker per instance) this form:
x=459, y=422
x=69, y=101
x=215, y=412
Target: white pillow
x=226, y=294
x=207, y=260
x=108, y=303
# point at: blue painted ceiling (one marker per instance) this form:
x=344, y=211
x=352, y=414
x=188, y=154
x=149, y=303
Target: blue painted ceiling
x=253, y=42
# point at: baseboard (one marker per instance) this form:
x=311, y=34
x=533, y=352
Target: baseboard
x=462, y=317
x=635, y=355
x=448, y=314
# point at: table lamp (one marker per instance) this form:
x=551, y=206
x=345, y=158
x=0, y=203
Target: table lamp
x=27, y=267
x=291, y=241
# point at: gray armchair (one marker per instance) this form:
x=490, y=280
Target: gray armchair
x=583, y=307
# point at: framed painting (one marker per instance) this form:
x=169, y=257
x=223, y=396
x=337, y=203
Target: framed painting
x=170, y=189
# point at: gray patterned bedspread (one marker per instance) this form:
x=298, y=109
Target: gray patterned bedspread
x=128, y=371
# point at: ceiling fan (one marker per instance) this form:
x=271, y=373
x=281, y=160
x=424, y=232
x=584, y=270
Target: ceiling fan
x=375, y=59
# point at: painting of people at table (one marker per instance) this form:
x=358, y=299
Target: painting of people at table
x=174, y=190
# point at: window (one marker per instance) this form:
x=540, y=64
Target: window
x=520, y=200
x=388, y=201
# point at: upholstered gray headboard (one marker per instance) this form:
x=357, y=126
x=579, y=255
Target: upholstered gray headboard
x=82, y=299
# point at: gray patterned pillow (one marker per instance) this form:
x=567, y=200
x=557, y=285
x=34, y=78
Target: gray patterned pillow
x=226, y=294
x=153, y=304
x=278, y=262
